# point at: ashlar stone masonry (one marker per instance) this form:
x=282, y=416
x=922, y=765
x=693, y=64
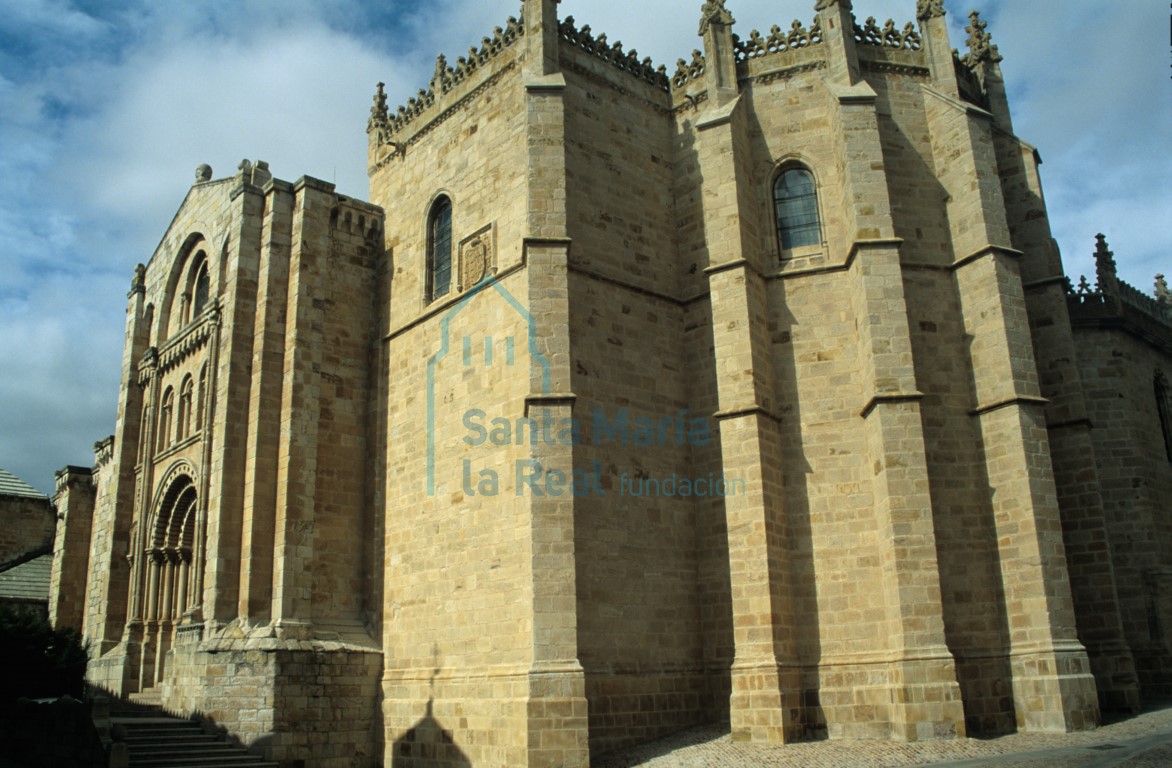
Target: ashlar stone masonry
x=752, y=391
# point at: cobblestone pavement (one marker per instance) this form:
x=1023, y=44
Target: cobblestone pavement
x=1143, y=741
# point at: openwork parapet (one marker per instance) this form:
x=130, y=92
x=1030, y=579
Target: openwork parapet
x=687, y=72
x=888, y=36
x=758, y=46
x=445, y=78
x=1111, y=292
x=613, y=54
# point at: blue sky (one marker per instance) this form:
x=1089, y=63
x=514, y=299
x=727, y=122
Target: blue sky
x=106, y=109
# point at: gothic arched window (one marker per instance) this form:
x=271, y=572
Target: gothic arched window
x=795, y=203
x=1164, y=409
x=439, y=249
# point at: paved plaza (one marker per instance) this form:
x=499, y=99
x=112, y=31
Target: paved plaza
x=1144, y=741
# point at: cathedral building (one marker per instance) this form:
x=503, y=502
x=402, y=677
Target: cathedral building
x=751, y=391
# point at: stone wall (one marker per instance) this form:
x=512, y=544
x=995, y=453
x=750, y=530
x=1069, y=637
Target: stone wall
x=456, y=624
x=1135, y=480
x=71, y=547
x=317, y=704
x=29, y=524
x=434, y=526
x=639, y=637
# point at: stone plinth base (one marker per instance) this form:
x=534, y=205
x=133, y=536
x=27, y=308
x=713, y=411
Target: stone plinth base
x=1153, y=664
x=765, y=704
x=557, y=713
x=911, y=700
x=1116, y=679
x=1054, y=690
x=988, y=694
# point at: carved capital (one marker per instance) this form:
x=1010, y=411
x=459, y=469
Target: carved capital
x=822, y=5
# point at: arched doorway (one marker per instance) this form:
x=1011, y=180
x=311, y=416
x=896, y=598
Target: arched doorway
x=167, y=585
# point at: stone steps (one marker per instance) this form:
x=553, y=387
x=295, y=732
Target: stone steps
x=154, y=739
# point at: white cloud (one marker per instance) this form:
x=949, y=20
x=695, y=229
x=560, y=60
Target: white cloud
x=104, y=124
x=56, y=17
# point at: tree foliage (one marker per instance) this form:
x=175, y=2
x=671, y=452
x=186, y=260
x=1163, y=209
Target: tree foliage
x=37, y=661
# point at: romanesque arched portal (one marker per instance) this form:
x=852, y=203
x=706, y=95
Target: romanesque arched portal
x=167, y=586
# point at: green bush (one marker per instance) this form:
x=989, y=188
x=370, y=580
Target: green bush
x=37, y=661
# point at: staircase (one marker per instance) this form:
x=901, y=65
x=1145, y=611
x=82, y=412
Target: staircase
x=157, y=740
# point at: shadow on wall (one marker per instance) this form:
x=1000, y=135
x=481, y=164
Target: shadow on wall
x=427, y=744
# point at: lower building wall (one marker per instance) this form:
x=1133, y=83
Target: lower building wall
x=111, y=671
x=318, y=705
x=987, y=685
x=637, y=706
x=1135, y=482
x=455, y=718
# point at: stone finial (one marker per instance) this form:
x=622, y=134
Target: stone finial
x=1163, y=295
x=822, y=5
x=981, y=48
x=203, y=172
x=138, y=282
x=929, y=9
x=378, y=110
x=714, y=12
x=1104, y=257
x=1104, y=266
x=254, y=173
x=441, y=81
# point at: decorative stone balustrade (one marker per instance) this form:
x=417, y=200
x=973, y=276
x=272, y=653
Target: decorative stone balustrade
x=759, y=46
x=584, y=39
x=687, y=72
x=1112, y=295
x=888, y=36
x=446, y=77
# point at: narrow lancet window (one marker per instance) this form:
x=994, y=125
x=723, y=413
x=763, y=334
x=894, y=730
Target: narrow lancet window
x=1164, y=409
x=796, y=207
x=439, y=249
x=183, y=423
x=165, y=420
x=200, y=403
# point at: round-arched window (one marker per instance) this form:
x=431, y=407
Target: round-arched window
x=795, y=202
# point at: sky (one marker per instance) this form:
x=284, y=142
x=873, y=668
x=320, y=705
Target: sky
x=106, y=109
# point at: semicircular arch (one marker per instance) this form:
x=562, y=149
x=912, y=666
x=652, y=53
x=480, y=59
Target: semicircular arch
x=176, y=493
